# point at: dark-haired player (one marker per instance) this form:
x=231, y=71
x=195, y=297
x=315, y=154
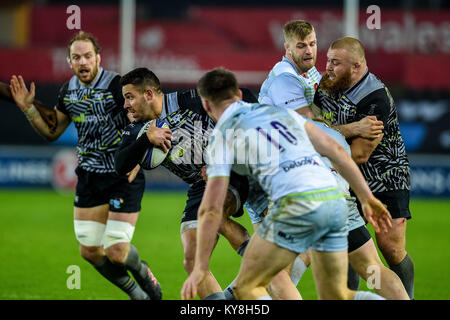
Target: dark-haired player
x=186, y=141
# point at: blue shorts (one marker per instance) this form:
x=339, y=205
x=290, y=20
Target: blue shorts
x=316, y=221
x=355, y=219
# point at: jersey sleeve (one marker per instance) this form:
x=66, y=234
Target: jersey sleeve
x=248, y=96
x=288, y=92
x=189, y=99
x=377, y=103
x=116, y=89
x=131, y=150
x=60, y=100
x=219, y=157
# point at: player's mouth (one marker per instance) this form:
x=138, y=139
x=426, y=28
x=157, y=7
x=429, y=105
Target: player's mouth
x=308, y=60
x=84, y=72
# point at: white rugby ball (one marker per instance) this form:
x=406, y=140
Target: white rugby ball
x=154, y=155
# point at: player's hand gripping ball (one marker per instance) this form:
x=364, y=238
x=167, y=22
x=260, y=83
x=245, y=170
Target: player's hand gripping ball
x=154, y=155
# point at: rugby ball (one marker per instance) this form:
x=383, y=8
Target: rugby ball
x=154, y=156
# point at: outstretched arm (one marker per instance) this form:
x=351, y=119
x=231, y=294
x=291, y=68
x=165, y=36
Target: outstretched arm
x=50, y=124
x=373, y=209
x=47, y=114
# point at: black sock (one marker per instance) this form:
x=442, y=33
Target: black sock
x=353, y=279
x=135, y=265
x=117, y=274
x=405, y=271
x=242, y=248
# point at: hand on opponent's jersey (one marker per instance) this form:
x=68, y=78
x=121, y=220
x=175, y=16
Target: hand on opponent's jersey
x=370, y=128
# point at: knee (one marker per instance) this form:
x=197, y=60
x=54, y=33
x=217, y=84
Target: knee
x=91, y=254
x=117, y=253
x=392, y=252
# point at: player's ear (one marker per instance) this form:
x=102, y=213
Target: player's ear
x=286, y=47
x=149, y=94
x=68, y=61
x=206, y=105
x=240, y=93
x=99, y=59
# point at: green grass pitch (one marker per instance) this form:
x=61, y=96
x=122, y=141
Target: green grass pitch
x=38, y=246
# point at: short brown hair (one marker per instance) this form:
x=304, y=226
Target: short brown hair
x=217, y=85
x=297, y=28
x=352, y=46
x=84, y=36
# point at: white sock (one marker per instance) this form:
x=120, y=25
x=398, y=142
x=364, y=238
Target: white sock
x=264, y=298
x=298, y=269
x=228, y=292
x=367, y=295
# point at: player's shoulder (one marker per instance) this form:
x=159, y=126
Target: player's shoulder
x=368, y=86
x=187, y=99
x=132, y=129
x=188, y=96
x=64, y=88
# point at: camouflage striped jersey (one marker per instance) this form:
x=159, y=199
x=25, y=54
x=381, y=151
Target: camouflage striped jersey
x=388, y=166
x=99, y=117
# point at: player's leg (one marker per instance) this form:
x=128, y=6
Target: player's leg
x=366, y=262
x=261, y=262
x=329, y=261
x=125, y=205
x=209, y=288
x=281, y=286
x=393, y=243
x=90, y=226
x=257, y=207
x=392, y=246
x=234, y=232
x=330, y=275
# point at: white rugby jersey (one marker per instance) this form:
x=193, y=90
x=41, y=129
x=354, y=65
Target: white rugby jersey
x=271, y=145
x=285, y=87
x=340, y=139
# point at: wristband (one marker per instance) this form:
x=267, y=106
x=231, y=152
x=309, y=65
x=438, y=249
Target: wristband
x=31, y=113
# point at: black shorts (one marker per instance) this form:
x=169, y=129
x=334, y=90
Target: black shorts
x=397, y=202
x=357, y=238
x=238, y=185
x=94, y=189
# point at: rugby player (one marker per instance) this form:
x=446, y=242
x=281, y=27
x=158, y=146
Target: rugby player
x=308, y=211
x=185, y=141
x=106, y=205
x=347, y=93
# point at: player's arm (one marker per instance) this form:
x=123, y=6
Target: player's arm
x=47, y=114
x=25, y=99
x=131, y=150
x=362, y=148
x=369, y=127
x=374, y=210
x=377, y=104
x=209, y=219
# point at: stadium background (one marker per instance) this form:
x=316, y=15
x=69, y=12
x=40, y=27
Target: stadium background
x=180, y=41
